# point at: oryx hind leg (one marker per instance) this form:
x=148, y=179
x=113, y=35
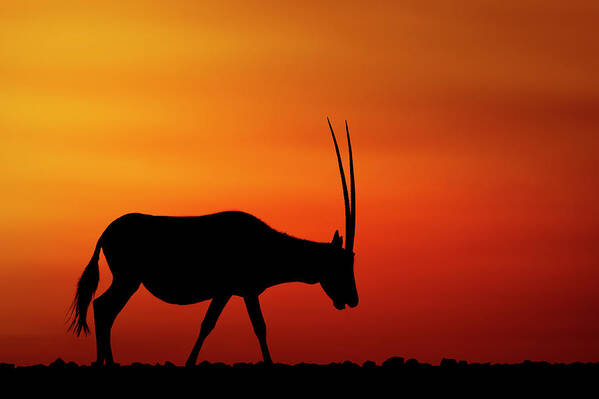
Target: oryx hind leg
x=214, y=310
x=253, y=307
x=106, y=308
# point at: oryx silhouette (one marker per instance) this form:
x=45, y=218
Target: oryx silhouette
x=185, y=260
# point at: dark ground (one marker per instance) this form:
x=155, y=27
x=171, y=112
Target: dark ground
x=391, y=378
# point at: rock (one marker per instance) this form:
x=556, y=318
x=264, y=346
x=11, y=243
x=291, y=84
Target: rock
x=350, y=365
x=369, y=364
x=448, y=363
x=221, y=365
x=394, y=362
x=58, y=363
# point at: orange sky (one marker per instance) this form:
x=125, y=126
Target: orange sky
x=475, y=130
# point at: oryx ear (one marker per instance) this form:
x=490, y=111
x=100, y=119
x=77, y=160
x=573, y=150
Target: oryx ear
x=337, y=240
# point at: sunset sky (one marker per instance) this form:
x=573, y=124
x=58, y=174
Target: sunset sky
x=475, y=129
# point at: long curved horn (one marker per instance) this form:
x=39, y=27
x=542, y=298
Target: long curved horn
x=349, y=240
x=344, y=185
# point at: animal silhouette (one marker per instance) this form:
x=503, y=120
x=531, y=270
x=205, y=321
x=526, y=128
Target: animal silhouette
x=185, y=260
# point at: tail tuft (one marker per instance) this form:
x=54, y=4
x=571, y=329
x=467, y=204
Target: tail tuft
x=86, y=287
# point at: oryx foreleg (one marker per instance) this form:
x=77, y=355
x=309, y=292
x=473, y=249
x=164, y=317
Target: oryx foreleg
x=253, y=307
x=212, y=314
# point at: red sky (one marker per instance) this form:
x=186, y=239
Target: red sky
x=475, y=132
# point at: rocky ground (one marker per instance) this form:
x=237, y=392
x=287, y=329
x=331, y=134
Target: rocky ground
x=393, y=376
x=396, y=363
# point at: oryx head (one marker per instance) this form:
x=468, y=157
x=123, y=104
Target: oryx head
x=338, y=280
